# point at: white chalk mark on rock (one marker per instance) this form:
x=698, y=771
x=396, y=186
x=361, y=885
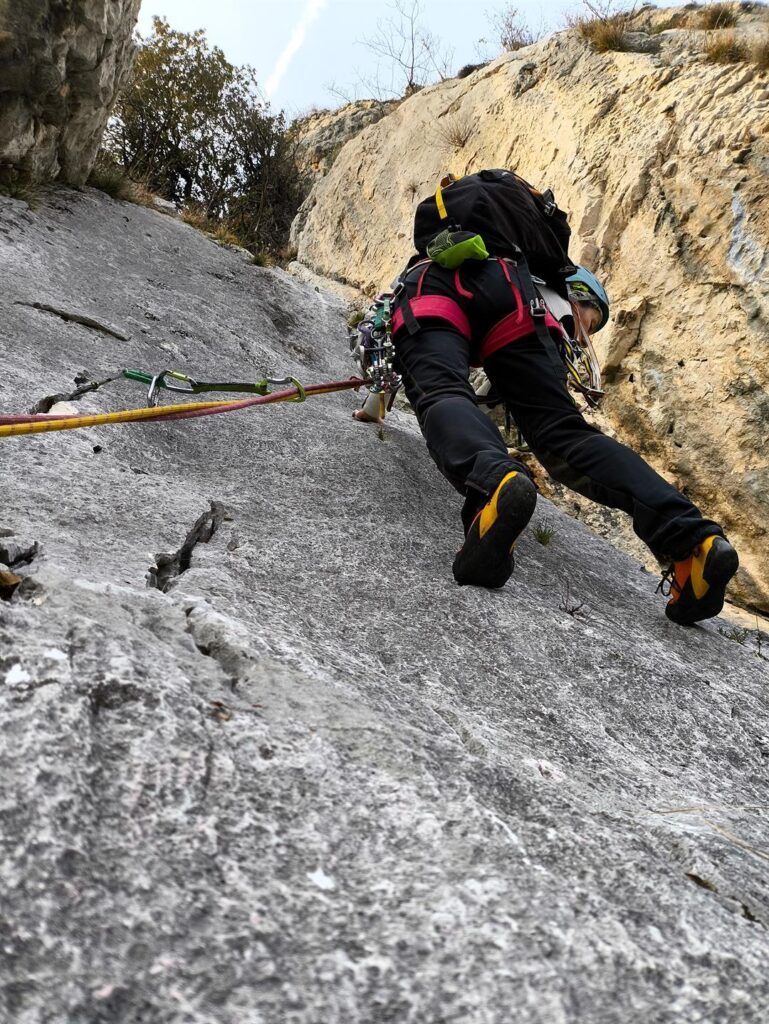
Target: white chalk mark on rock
x=322, y=880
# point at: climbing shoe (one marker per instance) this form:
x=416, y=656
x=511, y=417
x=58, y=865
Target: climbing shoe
x=697, y=585
x=486, y=557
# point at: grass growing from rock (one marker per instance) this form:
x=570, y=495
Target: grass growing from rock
x=288, y=254
x=221, y=231
x=603, y=27
x=262, y=259
x=224, y=235
x=110, y=178
x=754, y=639
x=725, y=48
x=544, y=533
x=18, y=186
x=453, y=131
x=716, y=16
x=759, y=54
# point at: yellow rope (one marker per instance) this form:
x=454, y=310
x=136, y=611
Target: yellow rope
x=126, y=416
x=131, y=415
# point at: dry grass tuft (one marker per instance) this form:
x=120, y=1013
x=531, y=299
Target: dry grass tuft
x=109, y=177
x=716, y=16
x=17, y=185
x=196, y=217
x=142, y=195
x=262, y=259
x=759, y=54
x=602, y=27
x=113, y=180
x=287, y=254
x=725, y=49
x=224, y=235
x=221, y=231
x=453, y=131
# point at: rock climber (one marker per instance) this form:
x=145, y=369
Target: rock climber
x=503, y=308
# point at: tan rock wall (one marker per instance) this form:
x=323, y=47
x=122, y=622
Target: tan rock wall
x=662, y=161
x=62, y=63
x=321, y=135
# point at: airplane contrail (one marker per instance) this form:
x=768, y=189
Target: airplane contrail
x=309, y=14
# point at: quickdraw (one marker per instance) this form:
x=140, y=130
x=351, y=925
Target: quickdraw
x=181, y=383
x=371, y=346
x=583, y=367
x=170, y=380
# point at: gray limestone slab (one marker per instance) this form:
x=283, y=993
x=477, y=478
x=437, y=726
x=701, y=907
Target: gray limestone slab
x=313, y=781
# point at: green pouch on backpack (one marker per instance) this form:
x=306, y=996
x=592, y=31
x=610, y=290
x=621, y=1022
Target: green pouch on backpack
x=450, y=249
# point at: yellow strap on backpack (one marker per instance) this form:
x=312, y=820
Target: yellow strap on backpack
x=444, y=183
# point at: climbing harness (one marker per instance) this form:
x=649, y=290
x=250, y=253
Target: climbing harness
x=173, y=381
x=372, y=348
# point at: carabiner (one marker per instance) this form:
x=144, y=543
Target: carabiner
x=159, y=381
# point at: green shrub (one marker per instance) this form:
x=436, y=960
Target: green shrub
x=193, y=127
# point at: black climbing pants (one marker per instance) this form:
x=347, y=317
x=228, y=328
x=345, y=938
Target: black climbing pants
x=468, y=448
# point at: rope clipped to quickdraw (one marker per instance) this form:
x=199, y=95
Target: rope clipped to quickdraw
x=171, y=380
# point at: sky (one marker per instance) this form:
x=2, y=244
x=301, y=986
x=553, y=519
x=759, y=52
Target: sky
x=301, y=47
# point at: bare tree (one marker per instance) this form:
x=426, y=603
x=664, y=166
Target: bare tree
x=511, y=31
x=408, y=55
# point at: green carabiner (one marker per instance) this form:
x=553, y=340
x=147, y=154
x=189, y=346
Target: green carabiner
x=302, y=393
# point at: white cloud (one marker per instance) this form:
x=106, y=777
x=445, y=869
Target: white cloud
x=309, y=14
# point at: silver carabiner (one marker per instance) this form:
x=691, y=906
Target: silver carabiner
x=159, y=381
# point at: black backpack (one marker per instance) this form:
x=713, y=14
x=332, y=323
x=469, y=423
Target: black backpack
x=506, y=212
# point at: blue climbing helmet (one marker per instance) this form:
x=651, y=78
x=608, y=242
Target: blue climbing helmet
x=583, y=286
